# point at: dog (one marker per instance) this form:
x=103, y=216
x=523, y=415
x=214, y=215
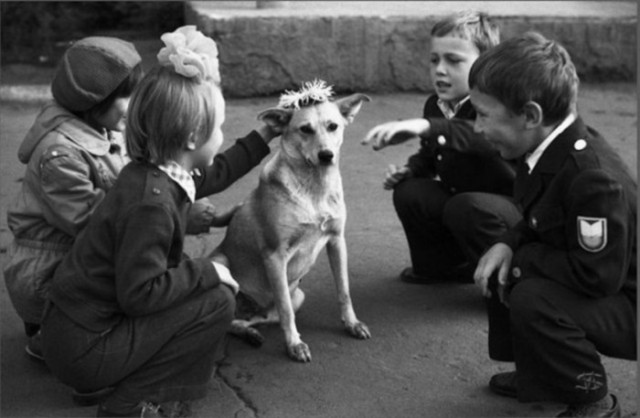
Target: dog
x=297, y=209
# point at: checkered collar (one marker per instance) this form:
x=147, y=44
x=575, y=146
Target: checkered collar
x=181, y=176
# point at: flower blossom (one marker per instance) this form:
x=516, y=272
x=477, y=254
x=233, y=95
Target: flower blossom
x=190, y=53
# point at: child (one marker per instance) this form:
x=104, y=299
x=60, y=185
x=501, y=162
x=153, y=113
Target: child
x=453, y=196
x=74, y=152
x=566, y=274
x=128, y=310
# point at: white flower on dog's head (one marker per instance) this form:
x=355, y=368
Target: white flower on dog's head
x=190, y=54
x=312, y=92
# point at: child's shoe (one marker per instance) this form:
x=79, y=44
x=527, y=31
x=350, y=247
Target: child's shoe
x=90, y=398
x=34, y=347
x=607, y=407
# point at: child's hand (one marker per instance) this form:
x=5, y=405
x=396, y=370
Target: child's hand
x=267, y=132
x=200, y=217
x=395, y=175
x=392, y=133
x=498, y=258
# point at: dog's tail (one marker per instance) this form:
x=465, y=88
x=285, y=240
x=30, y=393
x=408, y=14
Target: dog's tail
x=222, y=219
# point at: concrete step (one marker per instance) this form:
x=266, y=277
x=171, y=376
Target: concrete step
x=377, y=46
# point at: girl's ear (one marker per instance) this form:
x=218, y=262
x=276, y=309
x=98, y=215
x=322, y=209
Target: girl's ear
x=533, y=114
x=191, y=142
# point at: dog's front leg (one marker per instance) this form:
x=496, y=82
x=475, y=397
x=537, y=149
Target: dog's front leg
x=276, y=271
x=337, y=252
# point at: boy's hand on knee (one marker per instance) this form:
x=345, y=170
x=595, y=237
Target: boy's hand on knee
x=395, y=175
x=392, y=133
x=497, y=258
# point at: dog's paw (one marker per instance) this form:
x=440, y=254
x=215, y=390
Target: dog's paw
x=299, y=352
x=359, y=330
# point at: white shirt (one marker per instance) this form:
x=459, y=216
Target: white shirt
x=532, y=159
x=446, y=109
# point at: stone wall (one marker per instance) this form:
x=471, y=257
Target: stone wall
x=263, y=55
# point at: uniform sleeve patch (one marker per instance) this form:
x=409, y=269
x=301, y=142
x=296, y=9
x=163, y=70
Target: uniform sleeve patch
x=592, y=233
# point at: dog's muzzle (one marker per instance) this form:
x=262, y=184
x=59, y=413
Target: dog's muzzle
x=325, y=156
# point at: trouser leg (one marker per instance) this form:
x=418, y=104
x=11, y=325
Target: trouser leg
x=161, y=357
x=419, y=203
x=557, y=335
x=477, y=220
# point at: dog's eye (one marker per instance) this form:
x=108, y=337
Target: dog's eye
x=332, y=127
x=306, y=129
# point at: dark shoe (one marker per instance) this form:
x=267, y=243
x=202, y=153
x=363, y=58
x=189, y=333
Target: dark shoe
x=90, y=398
x=504, y=384
x=459, y=274
x=605, y=408
x=408, y=276
x=34, y=347
x=462, y=273
x=177, y=409
x=144, y=410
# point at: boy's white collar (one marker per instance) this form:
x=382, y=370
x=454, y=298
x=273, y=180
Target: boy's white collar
x=447, y=111
x=533, y=158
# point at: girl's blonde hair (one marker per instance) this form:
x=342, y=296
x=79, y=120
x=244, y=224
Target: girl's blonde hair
x=476, y=27
x=165, y=111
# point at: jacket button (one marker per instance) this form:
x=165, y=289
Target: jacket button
x=155, y=190
x=534, y=223
x=442, y=140
x=439, y=157
x=516, y=272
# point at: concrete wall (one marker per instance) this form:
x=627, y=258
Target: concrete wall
x=262, y=55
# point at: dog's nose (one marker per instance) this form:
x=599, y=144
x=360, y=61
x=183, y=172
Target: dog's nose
x=325, y=156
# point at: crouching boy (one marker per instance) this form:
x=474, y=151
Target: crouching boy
x=561, y=285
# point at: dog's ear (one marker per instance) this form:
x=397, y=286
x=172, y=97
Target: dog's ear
x=276, y=118
x=350, y=106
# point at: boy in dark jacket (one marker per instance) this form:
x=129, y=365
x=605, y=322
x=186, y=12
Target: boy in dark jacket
x=453, y=196
x=561, y=285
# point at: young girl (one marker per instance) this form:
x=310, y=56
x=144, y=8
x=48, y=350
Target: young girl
x=128, y=308
x=74, y=152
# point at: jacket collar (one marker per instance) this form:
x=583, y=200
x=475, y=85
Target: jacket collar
x=54, y=117
x=528, y=186
x=553, y=158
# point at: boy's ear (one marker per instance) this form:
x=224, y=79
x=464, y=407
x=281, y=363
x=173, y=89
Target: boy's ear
x=533, y=114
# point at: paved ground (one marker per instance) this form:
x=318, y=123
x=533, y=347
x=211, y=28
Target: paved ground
x=427, y=357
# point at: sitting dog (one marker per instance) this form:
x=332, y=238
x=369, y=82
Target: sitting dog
x=298, y=208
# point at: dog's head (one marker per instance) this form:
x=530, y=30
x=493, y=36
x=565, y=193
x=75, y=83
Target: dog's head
x=311, y=124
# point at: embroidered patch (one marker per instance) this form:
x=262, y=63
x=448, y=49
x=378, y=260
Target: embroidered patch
x=589, y=381
x=592, y=233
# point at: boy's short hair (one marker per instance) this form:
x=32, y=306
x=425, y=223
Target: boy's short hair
x=528, y=68
x=165, y=111
x=476, y=27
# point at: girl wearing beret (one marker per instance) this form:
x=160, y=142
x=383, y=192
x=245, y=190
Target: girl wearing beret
x=73, y=152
